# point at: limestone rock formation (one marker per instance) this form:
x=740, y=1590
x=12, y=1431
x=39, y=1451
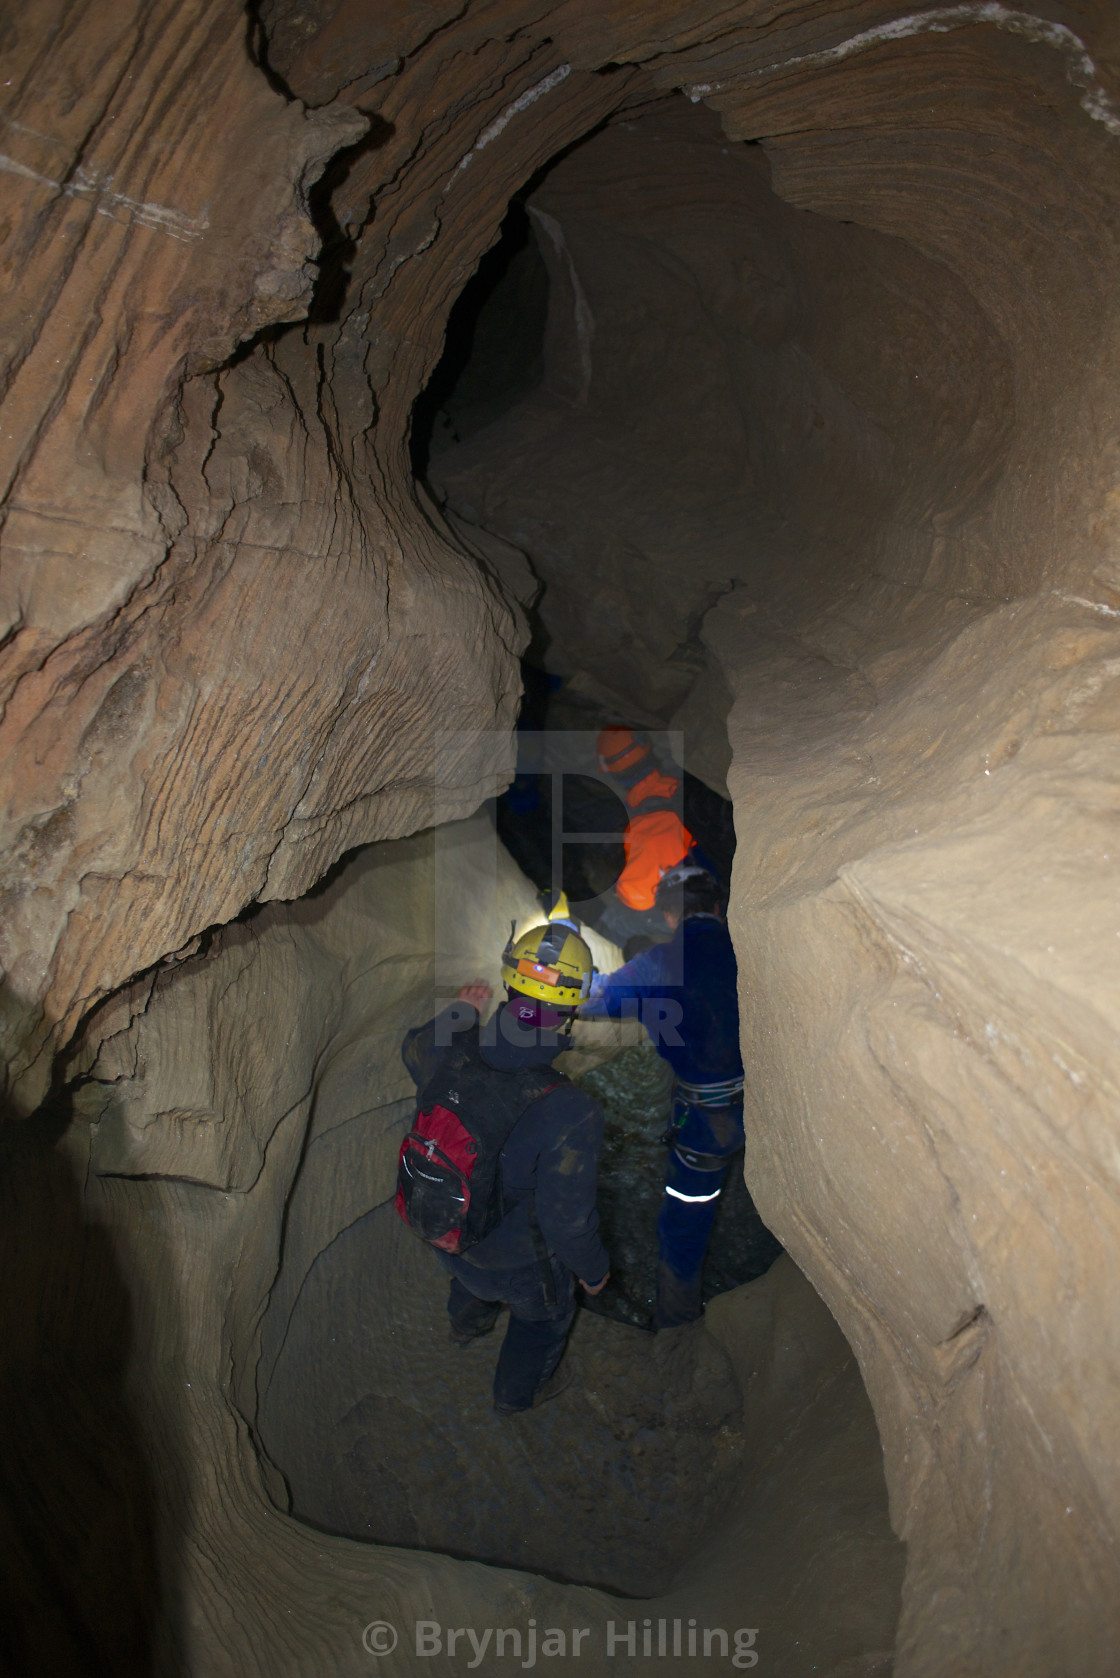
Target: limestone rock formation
x=221, y=670
x=826, y=444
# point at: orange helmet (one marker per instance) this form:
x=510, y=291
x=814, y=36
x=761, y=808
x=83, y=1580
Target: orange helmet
x=621, y=749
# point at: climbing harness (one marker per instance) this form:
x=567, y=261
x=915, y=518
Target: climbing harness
x=723, y=1094
x=709, y=1098
x=713, y=1097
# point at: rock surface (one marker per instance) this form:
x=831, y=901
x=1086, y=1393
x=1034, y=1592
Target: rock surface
x=826, y=379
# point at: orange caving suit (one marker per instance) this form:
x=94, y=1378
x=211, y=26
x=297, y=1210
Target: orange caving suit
x=655, y=839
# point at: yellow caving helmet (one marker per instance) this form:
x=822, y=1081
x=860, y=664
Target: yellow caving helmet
x=550, y=962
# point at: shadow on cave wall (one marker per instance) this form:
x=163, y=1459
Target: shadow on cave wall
x=80, y=1591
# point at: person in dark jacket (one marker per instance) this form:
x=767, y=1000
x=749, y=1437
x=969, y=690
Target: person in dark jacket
x=686, y=993
x=549, y=1237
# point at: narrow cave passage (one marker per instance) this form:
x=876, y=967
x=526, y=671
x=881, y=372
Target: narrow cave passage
x=780, y=422
x=588, y=438
x=725, y=396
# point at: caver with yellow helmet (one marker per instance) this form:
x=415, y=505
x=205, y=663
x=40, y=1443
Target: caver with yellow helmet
x=498, y=1171
x=551, y=963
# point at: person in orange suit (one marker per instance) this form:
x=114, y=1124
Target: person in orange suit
x=655, y=838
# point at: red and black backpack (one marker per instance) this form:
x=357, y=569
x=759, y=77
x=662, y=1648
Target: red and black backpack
x=449, y=1187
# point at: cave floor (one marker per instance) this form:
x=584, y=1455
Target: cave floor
x=730, y=1469
x=385, y=1430
x=611, y=1483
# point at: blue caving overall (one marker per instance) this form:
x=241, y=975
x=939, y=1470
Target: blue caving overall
x=686, y=994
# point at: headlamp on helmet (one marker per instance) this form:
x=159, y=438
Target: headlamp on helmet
x=550, y=962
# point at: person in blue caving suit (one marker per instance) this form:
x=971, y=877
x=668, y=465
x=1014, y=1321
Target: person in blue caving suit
x=686, y=993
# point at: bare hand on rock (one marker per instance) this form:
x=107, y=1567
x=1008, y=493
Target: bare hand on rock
x=477, y=993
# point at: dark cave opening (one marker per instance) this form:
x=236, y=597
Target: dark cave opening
x=493, y=345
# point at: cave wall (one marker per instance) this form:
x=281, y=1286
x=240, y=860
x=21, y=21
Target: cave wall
x=232, y=633
x=223, y=662
x=243, y=1109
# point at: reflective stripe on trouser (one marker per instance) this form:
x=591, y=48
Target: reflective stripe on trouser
x=683, y=1227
